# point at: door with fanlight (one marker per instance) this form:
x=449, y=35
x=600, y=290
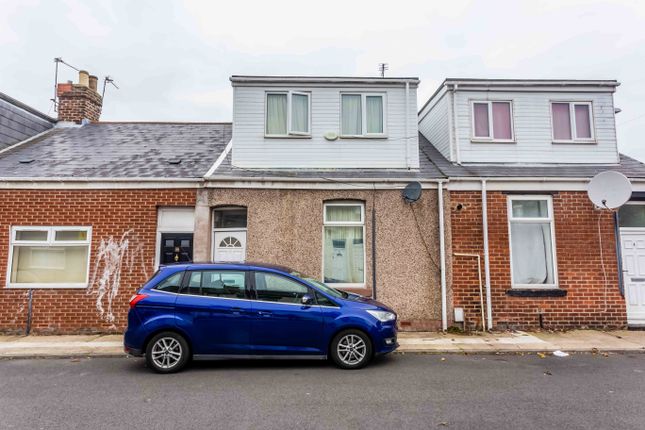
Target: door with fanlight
x=229, y=234
x=230, y=246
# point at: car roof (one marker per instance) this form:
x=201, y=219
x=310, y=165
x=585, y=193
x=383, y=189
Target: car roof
x=230, y=265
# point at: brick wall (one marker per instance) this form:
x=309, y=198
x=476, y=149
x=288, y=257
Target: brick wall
x=588, y=303
x=110, y=213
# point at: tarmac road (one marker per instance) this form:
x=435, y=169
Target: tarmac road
x=581, y=391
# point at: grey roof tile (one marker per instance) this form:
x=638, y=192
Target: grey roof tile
x=119, y=150
x=628, y=166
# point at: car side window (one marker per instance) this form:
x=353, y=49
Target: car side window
x=322, y=300
x=275, y=288
x=217, y=283
x=171, y=284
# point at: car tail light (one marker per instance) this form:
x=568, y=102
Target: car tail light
x=136, y=299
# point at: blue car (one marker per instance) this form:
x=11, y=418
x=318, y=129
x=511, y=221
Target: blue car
x=210, y=311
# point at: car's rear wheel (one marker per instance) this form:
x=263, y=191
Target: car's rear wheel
x=351, y=349
x=167, y=352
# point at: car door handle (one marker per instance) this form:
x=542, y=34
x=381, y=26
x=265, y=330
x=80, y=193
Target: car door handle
x=264, y=313
x=236, y=311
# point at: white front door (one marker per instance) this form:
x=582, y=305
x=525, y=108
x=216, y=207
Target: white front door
x=229, y=245
x=633, y=251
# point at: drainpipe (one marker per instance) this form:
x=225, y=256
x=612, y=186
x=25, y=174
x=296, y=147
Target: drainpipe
x=407, y=128
x=374, y=248
x=442, y=251
x=489, y=307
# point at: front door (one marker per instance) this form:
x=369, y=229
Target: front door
x=633, y=251
x=176, y=248
x=230, y=245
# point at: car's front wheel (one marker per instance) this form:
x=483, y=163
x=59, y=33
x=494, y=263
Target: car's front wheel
x=351, y=349
x=167, y=352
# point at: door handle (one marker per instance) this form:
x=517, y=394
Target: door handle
x=264, y=313
x=236, y=311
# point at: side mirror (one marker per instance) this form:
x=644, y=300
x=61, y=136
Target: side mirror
x=307, y=300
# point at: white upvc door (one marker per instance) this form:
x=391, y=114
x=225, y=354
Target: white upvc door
x=633, y=252
x=229, y=245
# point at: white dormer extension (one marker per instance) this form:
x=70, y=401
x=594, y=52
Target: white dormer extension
x=522, y=121
x=324, y=123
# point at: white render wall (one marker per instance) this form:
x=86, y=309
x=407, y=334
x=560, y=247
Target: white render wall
x=532, y=124
x=252, y=150
x=434, y=123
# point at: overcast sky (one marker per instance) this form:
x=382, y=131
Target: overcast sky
x=172, y=59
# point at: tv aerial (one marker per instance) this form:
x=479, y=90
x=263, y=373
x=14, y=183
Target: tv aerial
x=609, y=189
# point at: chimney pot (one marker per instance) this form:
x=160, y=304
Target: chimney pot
x=83, y=78
x=93, y=82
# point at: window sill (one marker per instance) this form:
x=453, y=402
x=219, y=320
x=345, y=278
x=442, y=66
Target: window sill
x=536, y=292
x=46, y=286
x=287, y=136
x=475, y=140
x=379, y=136
x=574, y=142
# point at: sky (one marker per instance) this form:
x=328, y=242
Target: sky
x=172, y=59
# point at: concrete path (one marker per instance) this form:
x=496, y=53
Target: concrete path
x=518, y=341
x=412, y=342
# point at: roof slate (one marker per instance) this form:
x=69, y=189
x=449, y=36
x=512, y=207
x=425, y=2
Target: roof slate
x=628, y=166
x=119, y=150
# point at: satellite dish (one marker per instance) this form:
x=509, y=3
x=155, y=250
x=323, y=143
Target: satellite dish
x=609, y=189
x=412, y=192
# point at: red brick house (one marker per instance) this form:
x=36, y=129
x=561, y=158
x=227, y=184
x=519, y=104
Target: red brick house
x=518, y=156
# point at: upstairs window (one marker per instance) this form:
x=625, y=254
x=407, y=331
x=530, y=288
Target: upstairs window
x=288, y=113
x=572, y=122
x=493, y=121
x=49, y=257
x=362, y=115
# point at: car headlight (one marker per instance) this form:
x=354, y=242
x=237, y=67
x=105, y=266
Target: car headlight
x=383, y=316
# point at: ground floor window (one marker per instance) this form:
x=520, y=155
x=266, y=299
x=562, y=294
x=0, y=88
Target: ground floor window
x=49, y=257
x=532, y=241
x=343, y=243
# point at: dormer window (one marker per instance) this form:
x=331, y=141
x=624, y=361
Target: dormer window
x=362, y=115
x=492, y=121
x=288, y=113
x=572, y=122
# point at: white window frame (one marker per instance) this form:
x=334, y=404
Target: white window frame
x=360, y=223
x=572, y=120
x=549, y=219
x=290, y=133
x=364, y=132
x=491, y=138
x=49, y=242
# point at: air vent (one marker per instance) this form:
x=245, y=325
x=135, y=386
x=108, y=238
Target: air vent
x=176, y=161
x=26, y=161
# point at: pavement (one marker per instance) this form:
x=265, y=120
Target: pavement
x=409, y=391
x=411, y=342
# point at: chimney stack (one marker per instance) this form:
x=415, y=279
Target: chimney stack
x=77, y=102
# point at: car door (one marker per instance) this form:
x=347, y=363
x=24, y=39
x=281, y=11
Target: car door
x=282, y=325
x=214, y=308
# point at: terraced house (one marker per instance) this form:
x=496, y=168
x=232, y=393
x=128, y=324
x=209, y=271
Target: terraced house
x=310, y=175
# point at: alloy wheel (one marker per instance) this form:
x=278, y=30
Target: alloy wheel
x=166, y=352
x=351, y=349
